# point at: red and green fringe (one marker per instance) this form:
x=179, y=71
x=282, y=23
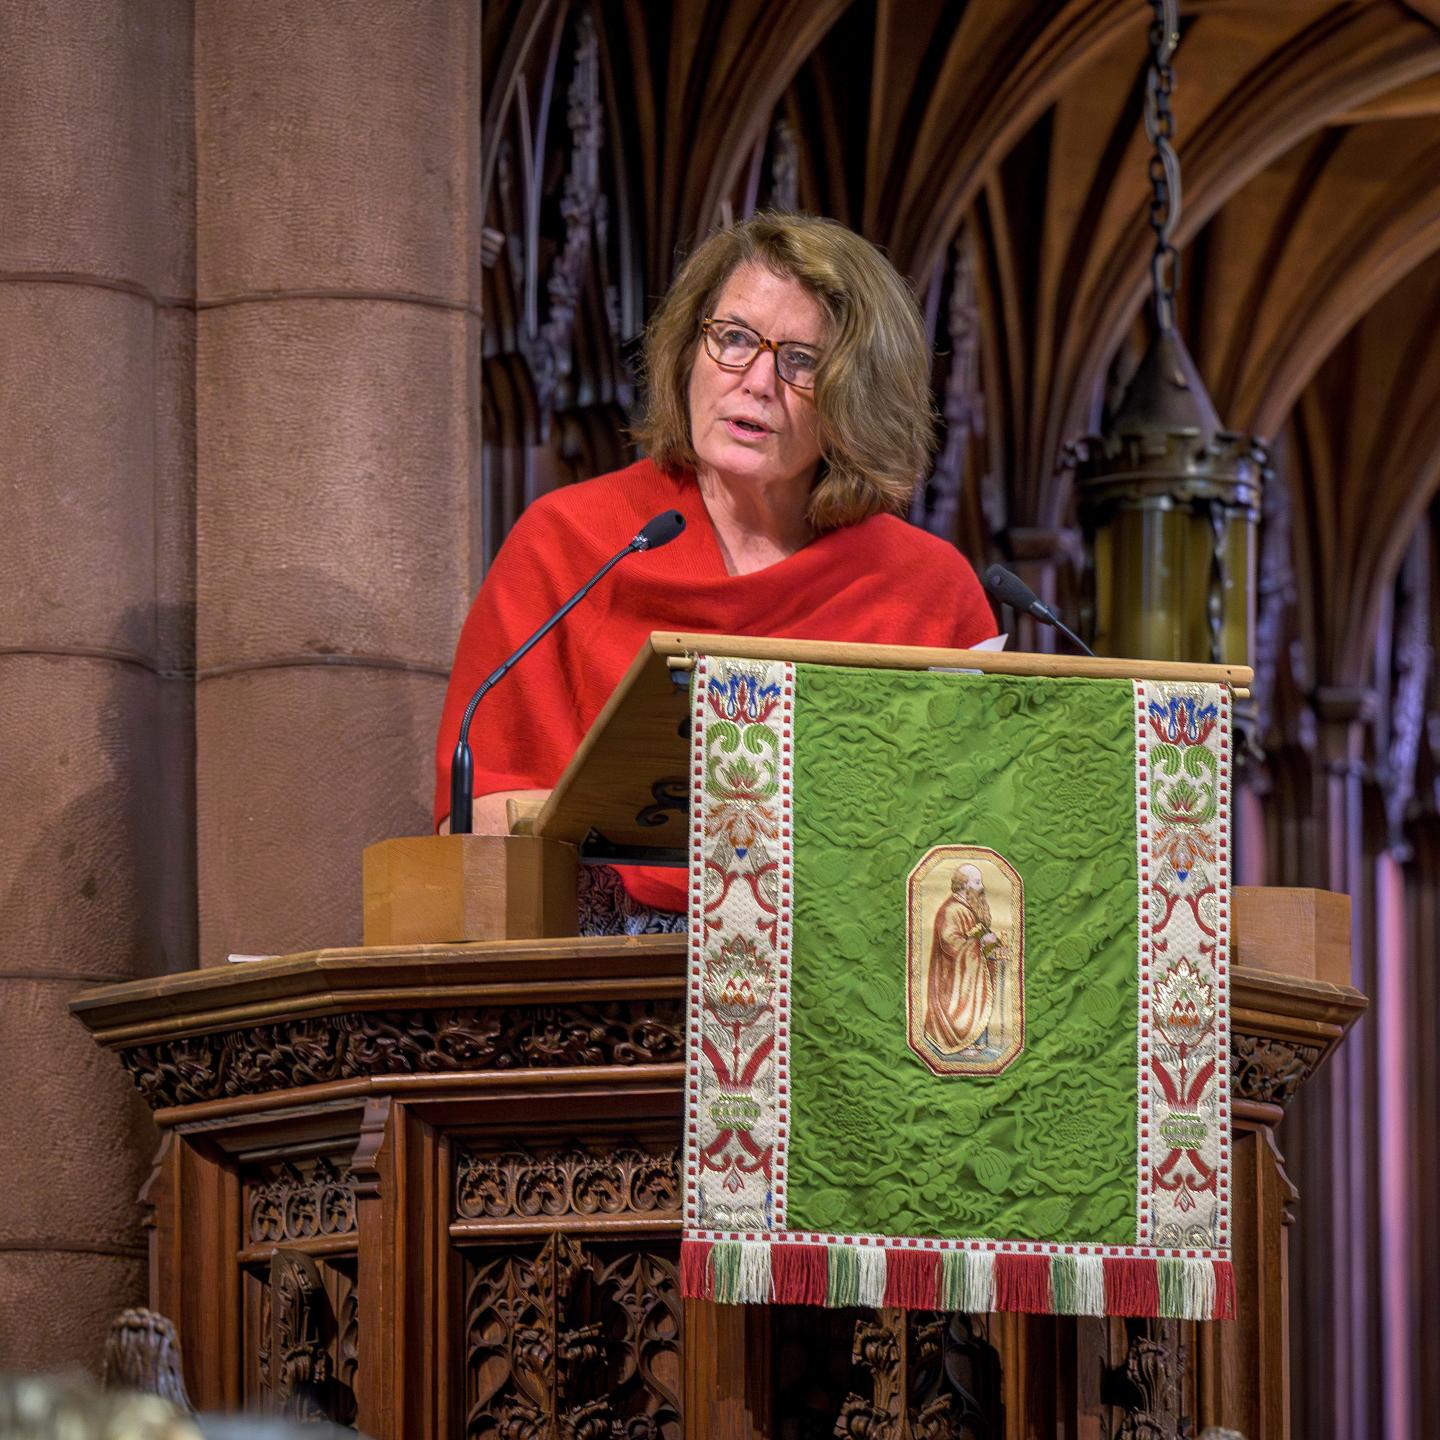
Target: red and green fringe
x=737, y=1272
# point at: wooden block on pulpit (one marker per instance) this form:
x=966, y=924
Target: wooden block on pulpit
x=444, y=889
x=1305, y=933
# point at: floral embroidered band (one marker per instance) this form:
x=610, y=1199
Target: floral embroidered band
x=958, y=1028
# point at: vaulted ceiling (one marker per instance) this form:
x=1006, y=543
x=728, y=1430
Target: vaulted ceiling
x=995, y=148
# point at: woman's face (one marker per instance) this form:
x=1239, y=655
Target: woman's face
x=749, y=426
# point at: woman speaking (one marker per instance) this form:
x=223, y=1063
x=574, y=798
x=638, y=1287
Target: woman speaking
x=789, y=417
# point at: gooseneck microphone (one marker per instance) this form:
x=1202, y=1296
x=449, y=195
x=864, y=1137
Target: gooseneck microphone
x=659, y=531
x=1009, y=589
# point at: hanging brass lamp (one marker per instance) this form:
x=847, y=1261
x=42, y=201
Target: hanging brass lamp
x=1169, y=500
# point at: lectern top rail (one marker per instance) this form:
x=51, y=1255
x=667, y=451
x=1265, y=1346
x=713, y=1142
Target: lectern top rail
x=628, y=779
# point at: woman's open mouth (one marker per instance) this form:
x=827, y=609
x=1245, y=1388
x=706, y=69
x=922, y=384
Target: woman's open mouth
x=746, y=429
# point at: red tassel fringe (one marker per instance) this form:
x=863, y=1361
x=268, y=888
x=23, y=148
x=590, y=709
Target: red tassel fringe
x=912, y=1279
x=1022, y=1283
x=696, y=1281
x=1224, y=1291
x=800, y=1274
x=1132, y=1286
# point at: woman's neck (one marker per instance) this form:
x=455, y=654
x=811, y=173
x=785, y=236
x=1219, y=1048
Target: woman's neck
x=756, y=525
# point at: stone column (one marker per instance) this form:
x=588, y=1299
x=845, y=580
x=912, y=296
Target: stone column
x=96, y=624
x=1332, y=1152
x=337, y=255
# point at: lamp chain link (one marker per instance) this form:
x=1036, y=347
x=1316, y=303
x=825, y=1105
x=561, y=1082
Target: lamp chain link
x=1164, y=163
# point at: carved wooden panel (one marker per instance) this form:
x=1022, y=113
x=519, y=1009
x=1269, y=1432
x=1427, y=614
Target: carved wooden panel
x=575, y=1338
x=561, y=1178
x=299, y=1200
x=884, y=1375
x=1147, y=1388
x=302, y=1336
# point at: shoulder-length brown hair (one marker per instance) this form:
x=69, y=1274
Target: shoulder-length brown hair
x=872, y=391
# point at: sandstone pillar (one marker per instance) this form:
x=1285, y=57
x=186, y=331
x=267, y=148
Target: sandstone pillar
x=96, y=624
x=337, y=256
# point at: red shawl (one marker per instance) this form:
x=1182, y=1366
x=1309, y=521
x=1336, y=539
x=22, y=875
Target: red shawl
x=879, y=582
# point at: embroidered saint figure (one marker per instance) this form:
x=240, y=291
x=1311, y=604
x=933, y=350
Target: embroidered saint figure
x=963, y=951
x=965, y=961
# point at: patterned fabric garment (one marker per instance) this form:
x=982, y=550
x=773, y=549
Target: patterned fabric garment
x=607, y=908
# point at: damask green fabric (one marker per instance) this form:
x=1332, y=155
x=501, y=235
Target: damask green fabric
x=888, y=764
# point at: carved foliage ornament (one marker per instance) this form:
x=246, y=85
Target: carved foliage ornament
x=293, y=1206
x=347, y=1350
x=568, y=1179
x=1147, y=1388
x=312, y=1051
x=142, y=1353
x=1270, y=1071
x=931, y=1377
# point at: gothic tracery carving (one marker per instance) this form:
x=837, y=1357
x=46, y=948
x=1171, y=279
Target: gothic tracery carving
x=1413, y=655
x=582, y=209
x=573, y=1340
x=308, y=1356
x=784, y=166
x=347, y=1344
x=938, y=506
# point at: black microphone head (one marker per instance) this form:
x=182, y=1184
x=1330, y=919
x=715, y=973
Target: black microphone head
x=660, y=531
x=1010, y=589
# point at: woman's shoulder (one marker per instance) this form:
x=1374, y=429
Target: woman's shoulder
x=895, y=541
x=921, y=567
x=633, y=493
x=587, y=520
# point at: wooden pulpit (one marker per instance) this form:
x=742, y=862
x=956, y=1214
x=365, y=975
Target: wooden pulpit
x=432, y=1187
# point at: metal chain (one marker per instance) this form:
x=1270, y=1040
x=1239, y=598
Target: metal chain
x=1164, y=163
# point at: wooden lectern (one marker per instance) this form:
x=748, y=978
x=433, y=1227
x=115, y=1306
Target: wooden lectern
x=431, y=1187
